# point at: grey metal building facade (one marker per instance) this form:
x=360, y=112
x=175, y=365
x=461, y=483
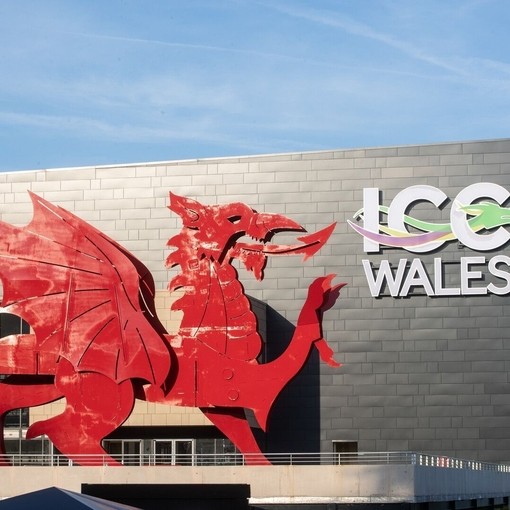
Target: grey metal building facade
x=425, y=350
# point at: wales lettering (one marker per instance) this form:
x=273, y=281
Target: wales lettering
x=478, y=219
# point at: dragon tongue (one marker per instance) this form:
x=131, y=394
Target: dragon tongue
x=315, y=241
x=254, y=261
x=310, y=244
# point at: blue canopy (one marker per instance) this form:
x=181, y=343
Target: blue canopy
x=53, y=498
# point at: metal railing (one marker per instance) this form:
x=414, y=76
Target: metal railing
x=237, y=459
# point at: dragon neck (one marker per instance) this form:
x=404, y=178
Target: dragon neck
x=216, y=311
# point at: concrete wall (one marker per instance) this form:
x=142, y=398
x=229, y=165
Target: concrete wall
x=420, y=373
x=282, y=484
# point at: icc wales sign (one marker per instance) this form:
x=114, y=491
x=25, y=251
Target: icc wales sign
x=475, y=222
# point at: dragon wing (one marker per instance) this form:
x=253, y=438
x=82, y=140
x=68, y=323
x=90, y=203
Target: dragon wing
x=87, y=299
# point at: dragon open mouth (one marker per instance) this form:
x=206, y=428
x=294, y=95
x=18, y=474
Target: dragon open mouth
x=254, y=256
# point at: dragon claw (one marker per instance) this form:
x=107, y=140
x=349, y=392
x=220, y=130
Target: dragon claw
x=322, y=294
x=331, y=296
x=326, y=353
x=36, y=430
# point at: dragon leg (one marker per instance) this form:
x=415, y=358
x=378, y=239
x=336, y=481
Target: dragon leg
x=321, y=297
x=96, y=406
x=232, y=422
x=18, y=391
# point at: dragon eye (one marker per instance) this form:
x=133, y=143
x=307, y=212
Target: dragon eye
x=234, y=219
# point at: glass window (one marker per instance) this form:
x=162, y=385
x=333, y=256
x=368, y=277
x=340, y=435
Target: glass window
x=16, y=419
x=11, y=324
x=33, y=452
x=183, y=452
x=164, y=451
x=127, y=452
x=215, y=452
x=175, y=452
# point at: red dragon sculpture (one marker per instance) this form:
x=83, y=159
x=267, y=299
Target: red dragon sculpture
x=97, y=341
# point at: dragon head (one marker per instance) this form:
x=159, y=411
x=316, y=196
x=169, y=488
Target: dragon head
x=487, y=215
x=216, y=232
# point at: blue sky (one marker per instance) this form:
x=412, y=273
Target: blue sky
x=91, y=82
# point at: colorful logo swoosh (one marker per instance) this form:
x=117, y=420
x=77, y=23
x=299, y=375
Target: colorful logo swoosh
x=485, y=216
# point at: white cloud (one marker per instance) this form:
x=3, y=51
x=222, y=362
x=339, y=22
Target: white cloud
x=462, y=67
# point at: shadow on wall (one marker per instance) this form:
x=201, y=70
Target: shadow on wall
x=294, y=422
